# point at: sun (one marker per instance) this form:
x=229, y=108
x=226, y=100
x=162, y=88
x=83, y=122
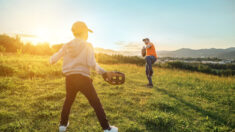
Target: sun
x=42, y=34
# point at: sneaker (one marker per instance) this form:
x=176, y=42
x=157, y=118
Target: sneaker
x=63, y=128
x=149, y=85
x=113, y=129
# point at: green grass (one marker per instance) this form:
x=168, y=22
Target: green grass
x=32, y=94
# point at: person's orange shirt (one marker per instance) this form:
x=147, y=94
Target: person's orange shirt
x=150, y=50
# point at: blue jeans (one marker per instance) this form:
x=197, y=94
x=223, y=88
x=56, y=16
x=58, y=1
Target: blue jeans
x=149, y=70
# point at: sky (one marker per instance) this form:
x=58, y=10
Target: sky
x=121, y=24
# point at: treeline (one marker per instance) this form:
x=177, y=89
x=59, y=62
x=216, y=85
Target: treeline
x=15, y=45
x=215, y=69
x=119, y=59
x=192, y=59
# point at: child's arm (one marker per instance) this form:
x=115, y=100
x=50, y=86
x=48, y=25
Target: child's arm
x=94, y=65
x=99, y=70
x=54, y=58
x=92, y=62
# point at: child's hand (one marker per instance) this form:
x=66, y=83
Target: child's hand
x=110, y=75
x=114, y=77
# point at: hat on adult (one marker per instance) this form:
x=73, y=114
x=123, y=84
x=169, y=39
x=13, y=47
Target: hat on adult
x=144, y=39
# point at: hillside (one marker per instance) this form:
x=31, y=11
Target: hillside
x=106, y=51
x=185, y=52
x=32, y=94
x=228, y=53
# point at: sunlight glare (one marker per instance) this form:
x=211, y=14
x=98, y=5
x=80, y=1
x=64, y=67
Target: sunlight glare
x=42, y=34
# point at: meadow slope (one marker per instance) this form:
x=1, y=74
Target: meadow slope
x=32, y=94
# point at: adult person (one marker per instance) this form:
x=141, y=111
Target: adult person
x=151, y=57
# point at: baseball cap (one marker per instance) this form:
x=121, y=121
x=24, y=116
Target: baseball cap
x=80, y=26
x=146, y=39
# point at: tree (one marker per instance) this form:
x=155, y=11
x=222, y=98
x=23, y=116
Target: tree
x=10, y=44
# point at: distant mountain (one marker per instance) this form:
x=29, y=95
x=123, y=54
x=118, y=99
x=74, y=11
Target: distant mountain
x=228, y=53
x=106, y=51
x=185, y=52
x=114, y=52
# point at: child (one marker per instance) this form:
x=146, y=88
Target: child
x=78, y=58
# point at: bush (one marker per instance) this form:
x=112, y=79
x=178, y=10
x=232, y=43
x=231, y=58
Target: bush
x=6, y=70
x=13, y=44
x=119, y=59
x=2, y=49
x=9, y=43
x=216, y=69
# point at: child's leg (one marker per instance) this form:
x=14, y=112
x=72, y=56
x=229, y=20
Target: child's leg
x=90, y=93
x=71, y=92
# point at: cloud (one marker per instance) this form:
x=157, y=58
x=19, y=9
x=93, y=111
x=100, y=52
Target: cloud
x=120, y=43
x=129, y=46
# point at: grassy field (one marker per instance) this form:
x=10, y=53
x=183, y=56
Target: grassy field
x=32, y=94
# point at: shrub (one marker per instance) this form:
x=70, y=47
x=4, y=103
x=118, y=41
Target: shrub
x=2, y=49
x=216, y=69
x=6, y=70
x=119, y=59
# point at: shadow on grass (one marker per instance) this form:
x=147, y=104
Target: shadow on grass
x=213, y=116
